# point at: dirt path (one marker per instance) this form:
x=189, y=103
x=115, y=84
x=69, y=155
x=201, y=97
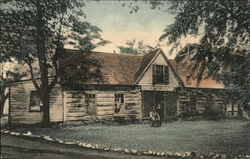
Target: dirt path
x=22, y=148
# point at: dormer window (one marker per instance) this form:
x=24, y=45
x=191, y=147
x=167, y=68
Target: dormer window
x=160, y=74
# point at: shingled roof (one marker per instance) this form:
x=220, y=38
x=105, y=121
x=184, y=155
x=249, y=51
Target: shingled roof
x=146, y=59
x=116, y=68
x=125, y=69
x=183, y=70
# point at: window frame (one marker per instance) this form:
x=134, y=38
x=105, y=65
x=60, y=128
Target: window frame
x=34, y=93
x=90, y=97
x=116, y=101
x=159, y=74
x=162, y=73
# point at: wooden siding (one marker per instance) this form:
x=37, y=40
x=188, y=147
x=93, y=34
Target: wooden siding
x=146, y=82
x=190, y=102
x=104, y=108
x=20, y=104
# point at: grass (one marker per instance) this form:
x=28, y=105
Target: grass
x=223, y=136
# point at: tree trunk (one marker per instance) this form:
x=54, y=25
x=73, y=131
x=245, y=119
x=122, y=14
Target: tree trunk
x=41, y=51
x=4, y=97
x=45, y=97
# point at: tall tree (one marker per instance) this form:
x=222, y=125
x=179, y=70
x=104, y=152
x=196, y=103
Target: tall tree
x=35, y=31
x=224, y=26
x=16, y=73
x=134, y=47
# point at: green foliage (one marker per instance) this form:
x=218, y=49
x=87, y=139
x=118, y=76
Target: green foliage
x=135, y=48
x=82, y=69
x=224, y=44
x=36, y=31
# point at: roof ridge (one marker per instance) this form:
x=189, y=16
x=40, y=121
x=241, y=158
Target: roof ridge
x=120, y=54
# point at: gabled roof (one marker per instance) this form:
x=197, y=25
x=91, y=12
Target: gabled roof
x=126, y=69
x=147, y=61
x=116, y=68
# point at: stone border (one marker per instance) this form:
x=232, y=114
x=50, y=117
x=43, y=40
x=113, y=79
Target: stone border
x=127, y=151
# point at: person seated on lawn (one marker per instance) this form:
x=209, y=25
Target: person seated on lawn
x=155, y=118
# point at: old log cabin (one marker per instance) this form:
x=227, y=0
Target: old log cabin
x=132, y=86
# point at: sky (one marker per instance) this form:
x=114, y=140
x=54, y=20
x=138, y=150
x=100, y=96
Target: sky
x=118, y=25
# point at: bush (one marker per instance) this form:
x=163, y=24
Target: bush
x=212, y=114
x=120, y=119
x=132, y=119
x=195, y=113
x=185, y=114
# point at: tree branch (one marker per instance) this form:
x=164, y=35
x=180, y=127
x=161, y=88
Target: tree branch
x=32, y=74
x=54, y=62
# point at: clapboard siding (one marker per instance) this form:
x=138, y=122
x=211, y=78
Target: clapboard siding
x=20, y=104
x=146, y=82
x=104, y=108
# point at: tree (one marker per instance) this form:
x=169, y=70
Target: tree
x=224, y=26
x=35, y=31
x=11, y=75
x=135, y=48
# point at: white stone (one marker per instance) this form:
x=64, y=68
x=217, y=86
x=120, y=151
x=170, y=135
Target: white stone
x=126, y=150
x=163, y=154
x=117, y=149
x=150, y=152
x=134, y=151
x=15, y=133
x=69, y=143
x=28, y=133
x=88, y=145
x=48, y=138
x=158, y=153
x=145, y=152
x=106, y=149
x=178, y=154
x=35, y=136
x=60, y=141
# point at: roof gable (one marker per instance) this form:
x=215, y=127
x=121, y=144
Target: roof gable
x=126, y=69
x=148, y=60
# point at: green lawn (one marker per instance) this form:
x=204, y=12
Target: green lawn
x=224, y=136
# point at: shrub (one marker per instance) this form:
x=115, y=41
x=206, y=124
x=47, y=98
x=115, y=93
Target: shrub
x=195, y=113
x=120, y=119
x=132, y=119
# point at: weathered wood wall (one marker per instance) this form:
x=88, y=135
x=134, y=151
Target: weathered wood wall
x=20, y=113
x=190, y=102
x=75, y=107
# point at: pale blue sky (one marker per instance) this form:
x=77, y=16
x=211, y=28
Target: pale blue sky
x=118, y=25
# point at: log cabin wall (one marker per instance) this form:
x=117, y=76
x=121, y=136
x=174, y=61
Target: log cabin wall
x=76, y=108
x=20, y=113
x=191, y=101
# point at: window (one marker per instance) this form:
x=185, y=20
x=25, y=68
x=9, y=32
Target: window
x=90, y=99
x=35, y=102
x=160, y=74
x=119, y=101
